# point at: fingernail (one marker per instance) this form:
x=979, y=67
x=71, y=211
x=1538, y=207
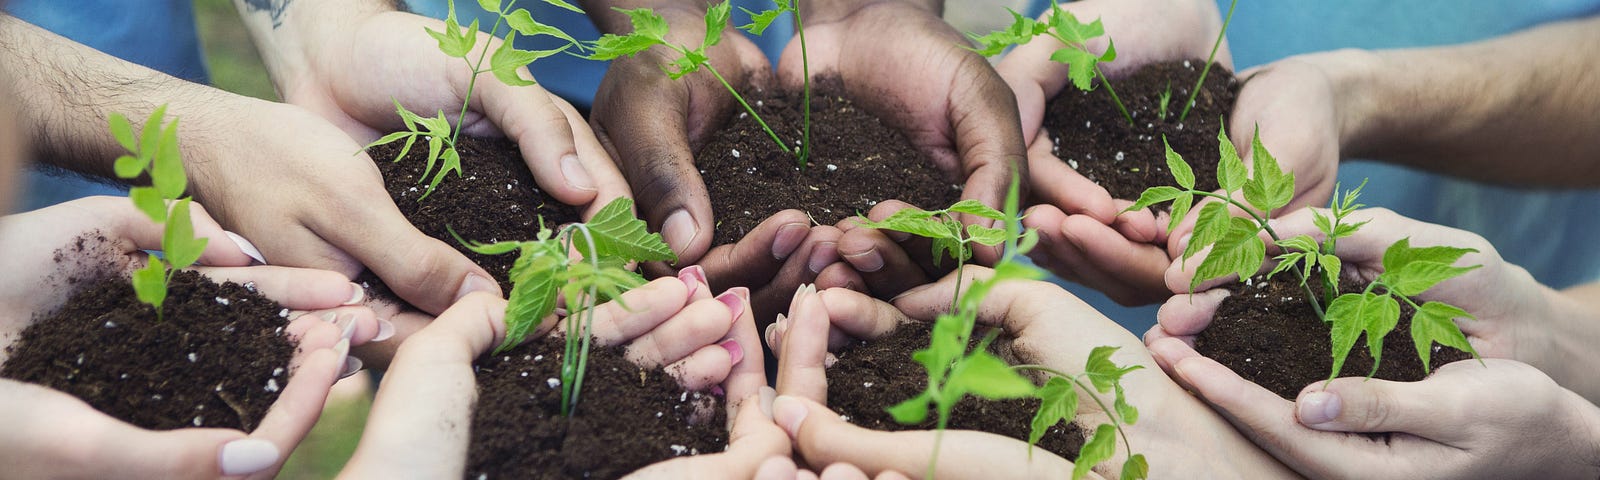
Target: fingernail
x=343, y=349
x=577, y=176
x=1183, y=242
x=1317, y=408
x=679, y=230
x=475, y=283
x=245, y=246
x=771, y=335
x=788, y=239
x=789, y=412
x=822, y=255
x=782, y=320
x=866, y=262
x=351, y=366
x=734, y=298
x=357, y=294
x=767, y=396
x=693, y=277
x=330, y=317
x=913, y=291
x=246, y=456
x=347, y=326
x=734, y=350
x=385, y=330
x=828, y=360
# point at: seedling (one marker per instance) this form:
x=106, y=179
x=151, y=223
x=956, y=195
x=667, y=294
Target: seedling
x=955, y=372
x=1166, y=98
x=155, y=152
x=457, y=42
x=1210, y=60
x=543, y=272
x=1236, y=248
x=1083, y=67
x=649, y=30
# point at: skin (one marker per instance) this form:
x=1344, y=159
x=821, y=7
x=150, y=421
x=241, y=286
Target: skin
x=1180, y=435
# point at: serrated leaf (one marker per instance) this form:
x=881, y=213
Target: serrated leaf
x=1098, y=449
x=1210, y=226
x=1331, y=266
x=1080, y=66
x=1435, y=322
x=1239, y=252
x=149, y=201
x=508, y=60
x=1180, y=209
x=1401, y=254
x=534, y=284
x=913, y=221
x=910, y=412
x=1155, y=195
x=985, y=235
x=565, y=5
x=1356, y=313
x=1231, y=173
x=1270, y=188
x=689, y=63
x=1286, y=262
x=523, y=22
x=453, y=41
x=1102, y=372
x=1058, y=402
x=974, y=207
x=150, y=283
x=987, y=376
x=716, y=21
x=1021, y=31
x=616, y=233
x=759, y=21
x=1300, y=243
x=1071, y=31
x=1125, y=411
x=1136, y=468
x=1179, y=168
x=166, y=169
x=123, y=131
x=178, y=242
x=1322, y=222
x=1418, y=277
x=128, y=166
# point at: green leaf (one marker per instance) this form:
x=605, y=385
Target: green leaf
x=1126, y=411
x=617, y=233
x=987, y=376
x=123, y=131
x=1231, y=174
x=390, y=138
x=716, y=22
x=487, y=5
x=1331, y=266
x=649, y=29
x=1155, y=195
x=150, y=283
x=1102, y=372
x=1072, y=31
x=1180, y=209
x=507, y=61
x=1300, y=243
x=149, y=201
x=1353, y=314
x=945, y=344
x=1179, y=168
x=453, y=41
x=1136, y=468
x=1098, y=449
x=1401, y=255
x=974, y=207
x=1022, y=30
x=913, y=221
x=523, y=22
x=1239, y=252
x=1270, y=188
x=178, y=242
x=1418, y=277
x=150, y=132
x=166, y=171
x=565, y=5
x=985, y=235
x=128, y=166
x=1080, y=66
x=1058, y=402
x=1323, y=223
x=760, y=21
x=910, y=412
x=1209, y=227
x=1286, y=262
x=534, y=284
x=1435, y=322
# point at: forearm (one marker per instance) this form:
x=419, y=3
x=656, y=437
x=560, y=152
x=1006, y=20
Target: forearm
x=1572, y=337
x=1517, y=109
x=286, y=32
x=606, y=19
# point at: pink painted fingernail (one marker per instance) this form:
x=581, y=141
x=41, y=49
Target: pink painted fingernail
x=246, y=456
x=734, y=350
x=693, y=277
x=357, y=294
x=385, y=330
x=788, y=239
x=245, y=246
x=822, y=255
x=735, y=298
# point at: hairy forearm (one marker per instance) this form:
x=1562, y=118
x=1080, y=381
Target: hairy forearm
x=1518, y=109
x=286, y=32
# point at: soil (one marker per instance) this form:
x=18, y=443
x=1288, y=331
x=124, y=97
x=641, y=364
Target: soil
x=218, y=360
x=856, y=161
x=627, y=417
x=1268, y=333
x=1091, y=135
x=495, y=199
x=872, y=376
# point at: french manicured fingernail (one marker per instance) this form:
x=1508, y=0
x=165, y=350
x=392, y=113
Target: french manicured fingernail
x=248, y=248
x=822, y=255
x=385, y=330
x=828, y=360
x=246, y=456
x=734, y=298
x=330, y=317
x=787, y=240
x=789, y=412
x=679, y=230
x=866, y=262
x=475, y=283
x=577, y=176
x=347, y=326
x=767, y=396
x=1317, y=408
x=734, y=350
x=693, y=277
x=342, y=348
x=357, y=294
x=771, y=334
x=351, y=366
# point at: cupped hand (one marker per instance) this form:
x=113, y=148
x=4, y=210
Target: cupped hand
x=1497, y=419
x=419, y=420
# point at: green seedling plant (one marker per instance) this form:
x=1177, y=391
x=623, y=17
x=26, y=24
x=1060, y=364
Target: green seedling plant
x=458, y=42
x=544, y=273
x=955, y=372
x=649, y=30
x=154, y=151
x=1083, y=66
x=1210, y=60
x=1237, y=249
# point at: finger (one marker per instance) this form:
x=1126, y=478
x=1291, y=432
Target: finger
x=885, y=268
x=760, y=254
x=295, y=288
x=1188, y=315
x=298, y=407
x=355, y=323
x=816, y=254
x=1138, y=225
x=841, y=275
x=638, y=311
x=1059, y=185
x=121, y=218
x=1064, y=258
x=805, y=348
x=535, y=120
x=860, y=316
x=754, y=446
x=701, y=323
x=1356, y=404
x=911, y=244
x=707, y=367
x=1140, y=266
x=749, y=372
x=777, y=468
x=842, y=471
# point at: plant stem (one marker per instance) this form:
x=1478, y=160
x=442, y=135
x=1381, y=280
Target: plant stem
x=1310, y=295
x=1110, y=413
x=1114, y=97
x=805, y=69
x=938, y=438
x=747, y=108
x=585, y=317
x=472, y=83
x=1209, y=60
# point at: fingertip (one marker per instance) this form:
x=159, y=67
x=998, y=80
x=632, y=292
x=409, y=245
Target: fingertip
x=790, y=413
x=247, y=456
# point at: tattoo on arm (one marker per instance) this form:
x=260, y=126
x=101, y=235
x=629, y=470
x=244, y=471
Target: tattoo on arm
x=274, y=9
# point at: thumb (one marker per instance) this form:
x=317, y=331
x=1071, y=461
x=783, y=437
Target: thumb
x=1355, y=404
x=130, y=452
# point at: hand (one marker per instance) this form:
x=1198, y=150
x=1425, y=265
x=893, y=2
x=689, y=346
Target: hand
x=418, y=422
x=1498, y=419
x=51, y=434
x=1517, y=318
x=1050, y=328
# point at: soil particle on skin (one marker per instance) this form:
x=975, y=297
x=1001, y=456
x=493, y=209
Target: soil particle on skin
x=494, y=199
x=856, y=162
x=219, y=359
x=1268, y=333
x=1091, y=135
x=627, y=417
x=871, y=376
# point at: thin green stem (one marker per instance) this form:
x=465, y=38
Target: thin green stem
x=585, y=317
x=472, y=83
x=938, y=438
x=1110, y=413
x=805, y=69
x=1209, y=61
x=1316, y=305
x=747, y=108
x=1107, y=82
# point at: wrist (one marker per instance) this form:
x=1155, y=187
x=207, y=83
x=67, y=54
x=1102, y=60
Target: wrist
x=1353, y=78
x=288, y=36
